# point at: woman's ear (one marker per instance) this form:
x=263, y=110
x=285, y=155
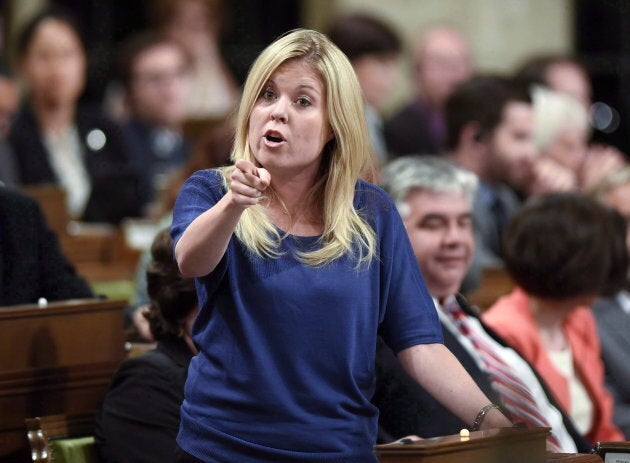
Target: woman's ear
x=331, y=133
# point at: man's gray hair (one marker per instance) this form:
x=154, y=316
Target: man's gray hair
x=429, y=173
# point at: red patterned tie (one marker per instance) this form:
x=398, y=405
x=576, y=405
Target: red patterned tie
x=515, y=395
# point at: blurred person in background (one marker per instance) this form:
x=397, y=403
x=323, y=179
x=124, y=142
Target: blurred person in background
x=442, y=60
x=567, y=75
x=562, y=134
x=155, y=73
x=562, y=73
x=56, y=140
x=613, y=313
x=32, y=264
x=197, y=26
x=563, y=251
x=210, y=151
x=139, y=417
x=373, y=48
x=490, y=130
x=9, y=101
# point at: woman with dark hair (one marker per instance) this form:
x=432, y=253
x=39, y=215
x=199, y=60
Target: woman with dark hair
x=56, y=140
x=563, y=251
x=139, y=417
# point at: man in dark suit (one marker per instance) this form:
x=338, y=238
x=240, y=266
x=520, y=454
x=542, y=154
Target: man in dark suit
x=613, y=314
x=435, y=200
x=31, y=263
x=155, y=73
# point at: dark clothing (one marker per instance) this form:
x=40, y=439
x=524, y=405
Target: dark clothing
x=416, y=129
x=114, y=192
x=139, y=418
x=8, y=171
x=613, y=325
x=31, y=263
x=406, y=408
x=154, y=152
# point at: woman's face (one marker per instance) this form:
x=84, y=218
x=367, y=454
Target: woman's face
x=288, y=126
x=54, y=64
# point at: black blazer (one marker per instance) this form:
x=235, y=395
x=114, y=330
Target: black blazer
x=139, y=418
x=31, y=263
x=113, y=179
x=406, y=408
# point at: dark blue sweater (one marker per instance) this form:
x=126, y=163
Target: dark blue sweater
x=287, y=351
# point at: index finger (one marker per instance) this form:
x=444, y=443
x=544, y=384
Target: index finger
x=246, y=166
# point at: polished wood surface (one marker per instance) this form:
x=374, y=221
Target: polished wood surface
x=99, y=252
x=514, y=445
x=506, y=445
x=573, y=458
x=495, y=282
x=55, y=360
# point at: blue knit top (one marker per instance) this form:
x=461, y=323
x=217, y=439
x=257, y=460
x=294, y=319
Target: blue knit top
x=285, y=369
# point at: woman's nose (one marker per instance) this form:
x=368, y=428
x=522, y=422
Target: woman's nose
x=279, y=111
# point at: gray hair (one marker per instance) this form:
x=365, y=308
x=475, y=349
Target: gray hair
x=431, y=173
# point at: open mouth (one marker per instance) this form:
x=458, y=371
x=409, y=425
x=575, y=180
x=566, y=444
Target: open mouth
x=273, y=137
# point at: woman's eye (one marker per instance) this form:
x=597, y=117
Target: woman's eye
x=268, y=95
x=303, y=102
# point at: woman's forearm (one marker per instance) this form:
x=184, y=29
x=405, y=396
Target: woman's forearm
x=438, y=371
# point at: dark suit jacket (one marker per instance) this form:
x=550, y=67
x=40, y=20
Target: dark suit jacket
x=114, y=181
x=408, y=132
x=149, y=158
x=31, y=263
x=613, y=325
x=139, y=419
x=406, y=408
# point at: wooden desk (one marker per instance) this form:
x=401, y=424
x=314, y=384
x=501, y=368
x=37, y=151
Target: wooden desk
x=99, y=252
x=513, y=445
x=55, y=360
x=506, y=445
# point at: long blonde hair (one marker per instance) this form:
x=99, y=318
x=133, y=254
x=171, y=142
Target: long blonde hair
x=344, y=159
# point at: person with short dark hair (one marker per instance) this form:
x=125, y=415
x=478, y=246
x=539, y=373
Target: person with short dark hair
x=373, y=48
x=563, y=73
x=139, y=417
x=490, y=125
x=563, y=251
x=155, y=73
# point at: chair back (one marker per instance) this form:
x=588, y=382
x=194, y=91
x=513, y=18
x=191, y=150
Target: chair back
x=62, y=438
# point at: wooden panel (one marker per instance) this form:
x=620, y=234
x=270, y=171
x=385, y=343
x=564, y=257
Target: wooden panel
x=52, y=200
x=55, y=360
x=99, y=251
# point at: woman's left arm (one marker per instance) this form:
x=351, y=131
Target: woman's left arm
x=438, y=371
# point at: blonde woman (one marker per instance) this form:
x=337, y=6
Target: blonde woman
x=298, y=264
